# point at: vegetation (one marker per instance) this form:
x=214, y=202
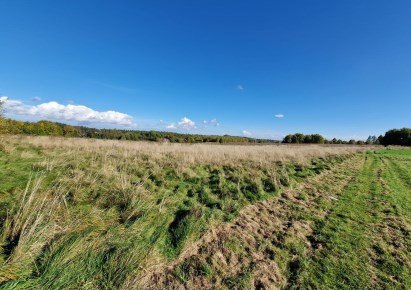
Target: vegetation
x=47, y=128
x=365, y=238
x=400, y=137
x=346, y=229
x=3, y=127
x=304, y=139
x=95, y=214
x=300, y=138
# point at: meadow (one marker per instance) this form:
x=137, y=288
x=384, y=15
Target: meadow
x=348, y=228
x=103, y=214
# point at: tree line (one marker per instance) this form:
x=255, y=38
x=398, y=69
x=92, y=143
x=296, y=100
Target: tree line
x=400, y=137
x=47, y=128
x=300, y=138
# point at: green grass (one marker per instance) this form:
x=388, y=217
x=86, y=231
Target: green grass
x=395, y=152
x=97, y=218
x=349, y=228
x=366, y=241
x=73, y=219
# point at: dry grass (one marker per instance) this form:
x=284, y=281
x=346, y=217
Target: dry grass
x=39, y=217
x=104, y=210
x=193, y=153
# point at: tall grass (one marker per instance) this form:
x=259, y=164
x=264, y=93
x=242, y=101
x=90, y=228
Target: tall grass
x=30, y=226
x=195, y=153
x=101, y=211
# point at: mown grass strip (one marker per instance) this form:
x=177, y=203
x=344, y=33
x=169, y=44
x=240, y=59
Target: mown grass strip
x=365, y=239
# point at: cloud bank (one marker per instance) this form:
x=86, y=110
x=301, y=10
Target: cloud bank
x=58, y=112
x=279, y=116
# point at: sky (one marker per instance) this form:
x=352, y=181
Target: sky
x=262, y=69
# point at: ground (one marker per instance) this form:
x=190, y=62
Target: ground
x=348, y=228
x=92, y=214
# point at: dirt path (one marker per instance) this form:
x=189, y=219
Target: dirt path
x=263, y=246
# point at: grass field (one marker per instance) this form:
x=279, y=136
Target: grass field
x=349, y=228
x=94, y=214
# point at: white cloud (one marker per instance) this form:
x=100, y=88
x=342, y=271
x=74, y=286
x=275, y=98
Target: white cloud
x=3, y=99
x=185, y=123
x=240, y=87
x=36, y=99
x=279, y=116
x=247, y=133
x=212, y=122
x=59, y=112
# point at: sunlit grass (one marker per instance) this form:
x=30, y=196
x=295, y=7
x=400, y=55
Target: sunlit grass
x=94, y=213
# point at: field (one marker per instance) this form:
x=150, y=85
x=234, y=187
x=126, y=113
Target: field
x=99, y=214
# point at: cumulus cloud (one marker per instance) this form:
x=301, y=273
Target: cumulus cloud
x=36, y=99
x=185, y=123
x=2, y=101
x=172, y=126
x=247, y=133
x=59, y=112
x=279, y=116
x=240, y=87
x=212, y=122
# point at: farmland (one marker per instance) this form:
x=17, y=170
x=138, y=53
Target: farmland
x=103, y=214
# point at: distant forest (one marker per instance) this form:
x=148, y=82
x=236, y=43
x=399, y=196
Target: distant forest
x=400, y=137
x=300, y=138
x=47, y=128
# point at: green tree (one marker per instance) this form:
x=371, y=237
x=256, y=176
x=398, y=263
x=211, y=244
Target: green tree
x=317, y=139
x=69, y=131
x=298, y=138
x=288, y=139
x=397, y=137
x=308, y=139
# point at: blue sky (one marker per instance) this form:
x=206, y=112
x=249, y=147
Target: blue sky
x=339, y=68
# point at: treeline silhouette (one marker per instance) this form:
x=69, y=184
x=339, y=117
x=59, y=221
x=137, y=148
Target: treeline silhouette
x=300, y=138
x=397, y=137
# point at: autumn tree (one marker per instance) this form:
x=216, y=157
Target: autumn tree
x=3, y=123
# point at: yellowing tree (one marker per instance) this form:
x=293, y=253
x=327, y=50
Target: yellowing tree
x=3, y=126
